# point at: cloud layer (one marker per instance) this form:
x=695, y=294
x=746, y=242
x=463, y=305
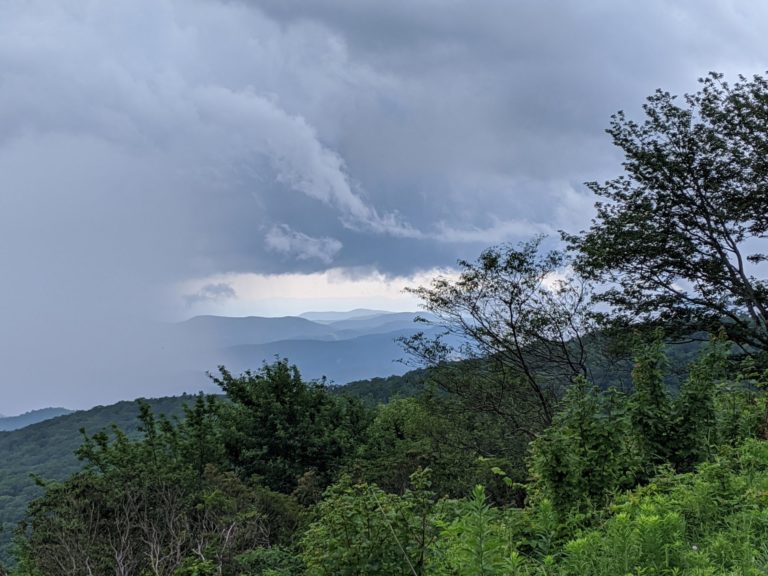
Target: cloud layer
x=145, y=144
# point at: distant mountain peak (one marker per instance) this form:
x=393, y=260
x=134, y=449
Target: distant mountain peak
x=8, y=423
x=335, y=316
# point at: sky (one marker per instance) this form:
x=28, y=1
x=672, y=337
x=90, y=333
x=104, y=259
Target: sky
x=166, y=158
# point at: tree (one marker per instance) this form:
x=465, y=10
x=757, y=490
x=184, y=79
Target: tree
x=516, y=325
x=278, y=427
x=695, y=409
x=678, y=237
x=649, y=406
x=589, y=453
x=142, y=506
x=460, y=447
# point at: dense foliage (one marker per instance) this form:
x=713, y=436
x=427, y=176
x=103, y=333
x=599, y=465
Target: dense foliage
x=47, y=450
x=377, y=391
x=279, y=428
x=421, y=485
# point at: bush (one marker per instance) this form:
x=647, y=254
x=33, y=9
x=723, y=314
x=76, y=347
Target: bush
x=589, y=454
x=362, y=530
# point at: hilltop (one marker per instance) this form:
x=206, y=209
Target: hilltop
x=8, y=423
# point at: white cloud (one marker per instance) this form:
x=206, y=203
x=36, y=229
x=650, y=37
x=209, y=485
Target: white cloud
x=283, y=240
x=499, y=231
x=332, y=289
x=211, y=292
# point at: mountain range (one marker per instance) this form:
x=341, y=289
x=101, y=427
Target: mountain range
x=338, y=346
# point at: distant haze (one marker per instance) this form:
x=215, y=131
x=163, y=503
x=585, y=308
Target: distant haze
x=338, y=346
x=336, y=316
x=163, y=159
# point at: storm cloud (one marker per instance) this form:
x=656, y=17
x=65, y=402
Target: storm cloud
x=145, y=144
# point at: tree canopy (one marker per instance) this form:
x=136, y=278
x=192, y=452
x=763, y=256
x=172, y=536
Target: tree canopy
x=278, y=427
x=517, y=325
x=679, y=237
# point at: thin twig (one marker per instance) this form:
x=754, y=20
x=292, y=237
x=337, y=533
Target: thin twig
x=389, y=524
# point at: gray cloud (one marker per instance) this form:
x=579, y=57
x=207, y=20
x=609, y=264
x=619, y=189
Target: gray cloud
x=144, y=143
x=283, y=240
x=211, y=292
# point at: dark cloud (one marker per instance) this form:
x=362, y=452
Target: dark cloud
x=488, y=115
x=145, y=143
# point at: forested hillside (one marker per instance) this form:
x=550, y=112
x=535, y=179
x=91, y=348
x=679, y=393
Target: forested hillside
x=285, y=478
x=46, y=450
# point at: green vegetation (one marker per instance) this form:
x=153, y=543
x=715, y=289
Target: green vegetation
x=677, y=233
x=381, y=390
x=511, y=454
x=645, y=482
x=524, y=336
x=47, y=450
x=279, y=428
